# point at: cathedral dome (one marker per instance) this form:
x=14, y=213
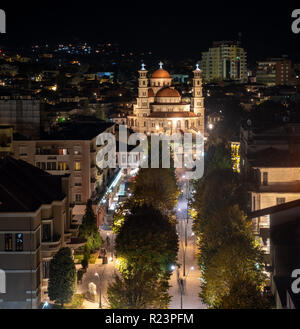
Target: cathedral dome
x=161, y=73
x=168, y=92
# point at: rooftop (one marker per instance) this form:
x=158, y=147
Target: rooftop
x=24, y=188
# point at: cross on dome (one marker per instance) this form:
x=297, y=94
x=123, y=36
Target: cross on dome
x=160, y=64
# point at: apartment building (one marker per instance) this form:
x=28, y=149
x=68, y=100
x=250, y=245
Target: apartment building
x=71, y=150
x=270, y=163
x=35, y=222
x=225, y=60
x=284, y=251
x=275, y=71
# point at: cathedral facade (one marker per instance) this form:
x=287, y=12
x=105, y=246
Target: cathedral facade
x=160, y=109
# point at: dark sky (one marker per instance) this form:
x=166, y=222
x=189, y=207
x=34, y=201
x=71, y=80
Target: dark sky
x=175, y=29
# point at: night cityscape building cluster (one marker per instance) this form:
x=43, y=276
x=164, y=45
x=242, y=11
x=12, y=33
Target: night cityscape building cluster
x=131, y=237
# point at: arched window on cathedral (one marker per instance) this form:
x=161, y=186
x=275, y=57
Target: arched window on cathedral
x=145, y=124
x=187, y=124
x=132, y=122
x=178, y=124
x=135, y=123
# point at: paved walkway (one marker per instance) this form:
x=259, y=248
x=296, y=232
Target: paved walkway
x=106, y=274
x=191, y=281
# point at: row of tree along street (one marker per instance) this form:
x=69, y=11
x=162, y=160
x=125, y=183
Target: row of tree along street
x=146, y=242
x=229, y=258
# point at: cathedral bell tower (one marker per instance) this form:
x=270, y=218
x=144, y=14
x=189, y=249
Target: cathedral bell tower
x=197, y=101
x=142, y=107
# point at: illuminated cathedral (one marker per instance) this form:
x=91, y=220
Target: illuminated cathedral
x=160, y=108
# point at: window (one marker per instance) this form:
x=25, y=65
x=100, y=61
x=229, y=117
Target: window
x=19, y=242
x=77, y=150
x=280, y=201
x=77, y=165
x=46, y=232
x=78, y=181
x=46, y=270
x=78, y=197
x=23, y=150
x=8, y=242
x=265, y=178
x=62, y=151
x=62, y=166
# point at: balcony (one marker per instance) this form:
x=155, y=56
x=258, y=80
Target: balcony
x=53, y=151
x=76, y=243
x=73, y=230
x=53, y=245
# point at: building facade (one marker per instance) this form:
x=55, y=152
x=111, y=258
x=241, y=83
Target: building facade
x=70, y=154
x=270, y=164
x=160, y=109
x=35, y=222
x=226, y=60
x=275, y=72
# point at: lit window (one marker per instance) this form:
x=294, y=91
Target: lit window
x=77, y=165
x=19, y=242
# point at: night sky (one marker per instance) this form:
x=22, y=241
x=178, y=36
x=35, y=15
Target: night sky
x=172, y=29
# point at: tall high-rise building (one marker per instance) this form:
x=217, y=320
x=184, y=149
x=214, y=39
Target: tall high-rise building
x=226, y=60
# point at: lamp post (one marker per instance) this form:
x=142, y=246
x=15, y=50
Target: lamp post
x=100, y=301
x=181, y=282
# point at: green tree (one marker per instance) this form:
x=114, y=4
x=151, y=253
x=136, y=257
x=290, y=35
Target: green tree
x=147, y=241
x=62, y=277
x=227, y=248
x=244, y=294
x=161, y=192
x=89, y=229
x=142, y=291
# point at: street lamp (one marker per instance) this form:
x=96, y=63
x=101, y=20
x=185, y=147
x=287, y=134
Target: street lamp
x=100, y=302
